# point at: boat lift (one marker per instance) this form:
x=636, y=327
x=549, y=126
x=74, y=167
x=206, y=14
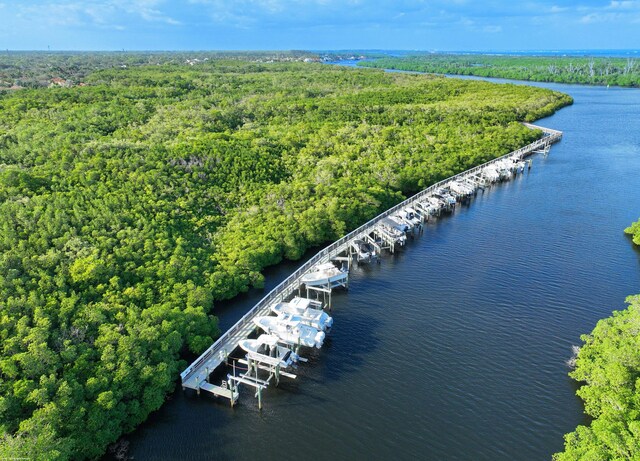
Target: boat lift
x=381, y=233
x=252, y=378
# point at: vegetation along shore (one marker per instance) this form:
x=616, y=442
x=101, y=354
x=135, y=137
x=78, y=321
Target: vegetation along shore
x=587, y=70
x=608, y=366
x=131, y=203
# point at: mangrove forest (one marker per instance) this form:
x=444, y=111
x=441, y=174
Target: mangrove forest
x=131, y=203
x=587, y=70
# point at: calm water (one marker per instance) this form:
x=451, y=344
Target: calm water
x=454, y=348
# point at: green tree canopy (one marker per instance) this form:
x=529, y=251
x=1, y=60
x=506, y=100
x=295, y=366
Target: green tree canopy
x=132, y=203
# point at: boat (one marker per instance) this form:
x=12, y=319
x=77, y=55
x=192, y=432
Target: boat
x=444, y=194
x=491, y=174
x=429, y=208
x=390, y=232
x=309, y=312
x=364, y=251
x=409, y=217
x=462, y=189
x=445, y=204
x=400, y=220
x=394, y=223
x=436, y=203
x=290, y=329
x=325, y=274
x=266, y=349
x=412, y=215
x=518, y=164
x=505, y=168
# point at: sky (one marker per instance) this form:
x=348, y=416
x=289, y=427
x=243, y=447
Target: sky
x=438, y=25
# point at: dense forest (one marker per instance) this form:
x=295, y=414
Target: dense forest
x=131, y=204
x=559, y=69
x=608, y=365
x=37, y=69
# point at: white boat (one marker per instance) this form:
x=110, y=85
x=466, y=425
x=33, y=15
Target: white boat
x=364, y=251
x=291, y=330
x=309, y=312
x=408, y=217
x=446, y=196
x=400, y=220
x=436, y=203
x=391, y=233
x=504, y=168
x=324, y=274
x=394, y=223
x=428, y=207
x=411, y=215
x=445, y=203
x=460, y=188
x=266, y=349
x=518, y=165
x=491, y=174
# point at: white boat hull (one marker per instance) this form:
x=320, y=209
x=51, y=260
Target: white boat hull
x=325, y=274
x=291, y=331
x=315, y=318
x=265, y=349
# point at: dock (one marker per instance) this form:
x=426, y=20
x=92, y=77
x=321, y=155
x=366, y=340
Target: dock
x=381, y=234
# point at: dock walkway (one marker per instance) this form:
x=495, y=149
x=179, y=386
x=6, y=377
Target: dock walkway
x=196, y=375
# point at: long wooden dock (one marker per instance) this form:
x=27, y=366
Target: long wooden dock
x=196, y=375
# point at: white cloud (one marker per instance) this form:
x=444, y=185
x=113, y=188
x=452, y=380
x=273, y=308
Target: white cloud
x=110, y=14
x=243, y=13
x=557, y=9
x=146, y=9
x=593, y=18
x=624, y=5
x=492, y=29
x=619, y=12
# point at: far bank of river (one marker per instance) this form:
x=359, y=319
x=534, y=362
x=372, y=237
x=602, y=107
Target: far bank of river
x=454, y=348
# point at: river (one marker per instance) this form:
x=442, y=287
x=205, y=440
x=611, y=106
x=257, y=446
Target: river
x=455, y=347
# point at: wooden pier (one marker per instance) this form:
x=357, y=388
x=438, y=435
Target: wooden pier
x=379, y=233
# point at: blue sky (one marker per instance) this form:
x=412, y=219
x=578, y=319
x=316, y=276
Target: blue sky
x=319, y=24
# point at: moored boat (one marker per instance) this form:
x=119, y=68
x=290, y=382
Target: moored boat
x=395, y=223
x=290, y=330
x=391, y=233
x=461, y=189
x=491, y=174
x=324, y=274
x=266, y=349
x=307, y=310
x=412, y=215
x=363, y=251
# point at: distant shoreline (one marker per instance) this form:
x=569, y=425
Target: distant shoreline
x=581, y=70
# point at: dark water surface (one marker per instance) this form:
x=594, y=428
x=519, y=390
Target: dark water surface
x=454, y=348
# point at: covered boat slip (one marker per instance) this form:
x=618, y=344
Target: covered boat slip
x=321, y=274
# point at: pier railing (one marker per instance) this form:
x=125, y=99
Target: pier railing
x=287, y=286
